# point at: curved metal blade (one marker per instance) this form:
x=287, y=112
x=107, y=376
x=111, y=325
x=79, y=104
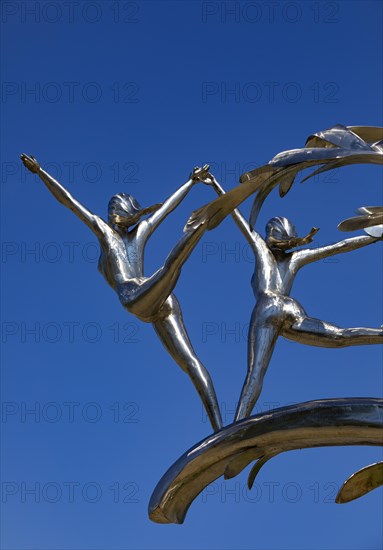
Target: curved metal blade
x=335, y=147
x=256, y=468
x=375, y=231
x=368, y=219
x=370, y=209
x=338, y=136
x=362, y=482
x=370, y=134
x=352, y=421
x=239, y=463
x=338, y=146
x=216, y=211
x=364, y=157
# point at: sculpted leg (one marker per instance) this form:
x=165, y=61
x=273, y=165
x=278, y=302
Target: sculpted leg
x=172, y=333
x=315, y=332
x=261, y=343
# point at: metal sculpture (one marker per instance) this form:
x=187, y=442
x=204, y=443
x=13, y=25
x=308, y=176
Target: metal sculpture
x=333, y=148
x=318, y=423
x=363, y=481
x=370, y=219
x=276, y=313
x=122, y=242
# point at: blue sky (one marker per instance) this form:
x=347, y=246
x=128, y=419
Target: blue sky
x=129, y=97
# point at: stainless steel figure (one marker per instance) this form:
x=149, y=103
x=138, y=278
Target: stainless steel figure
x=122, y=241
x=276, y=313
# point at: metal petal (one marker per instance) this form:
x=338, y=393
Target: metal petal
x=240, y=462
x=370, y=134
x=362, y=482
x=335, y=147
x=364, y=157
x=361, y=222
x=256, y=468
x=375, y=231
x=337, y=136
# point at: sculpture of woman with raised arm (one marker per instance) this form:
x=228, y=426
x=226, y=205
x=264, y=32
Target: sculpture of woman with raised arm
x=122, y=242
x=275, y=313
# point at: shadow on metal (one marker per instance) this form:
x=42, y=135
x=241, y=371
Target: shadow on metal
x=320, y=423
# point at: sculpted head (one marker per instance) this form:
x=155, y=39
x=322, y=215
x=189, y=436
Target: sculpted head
x=281, y=229
x=125, y=211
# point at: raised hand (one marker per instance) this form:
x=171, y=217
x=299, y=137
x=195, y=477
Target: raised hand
x=202, y=175
x=30, y=163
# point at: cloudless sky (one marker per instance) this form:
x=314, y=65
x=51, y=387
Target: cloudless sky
x=129, y=97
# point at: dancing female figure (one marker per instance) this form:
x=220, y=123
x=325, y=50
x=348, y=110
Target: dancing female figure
x=275, y=313
x=122, y=242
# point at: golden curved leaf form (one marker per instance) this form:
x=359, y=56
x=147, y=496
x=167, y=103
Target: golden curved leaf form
x=362, y=482
x=369, y=216
x=255, y=469
x=332, y=148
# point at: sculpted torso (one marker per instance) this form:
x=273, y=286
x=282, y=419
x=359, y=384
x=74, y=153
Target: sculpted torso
x=122, y=257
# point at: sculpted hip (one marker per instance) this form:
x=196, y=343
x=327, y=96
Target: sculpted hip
x=277, y=310
x=133, y=299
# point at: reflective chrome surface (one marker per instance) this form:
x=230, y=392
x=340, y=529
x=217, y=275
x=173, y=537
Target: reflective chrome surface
x=121, y=263
x=276, y=313
x=338, y=146
x=370, y=216
x=319, y=423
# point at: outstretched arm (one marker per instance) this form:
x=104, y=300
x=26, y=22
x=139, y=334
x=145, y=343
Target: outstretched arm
x=236, y=214
x=151, y=223
x=304, y=257
x=257, y=243
x=96, y=224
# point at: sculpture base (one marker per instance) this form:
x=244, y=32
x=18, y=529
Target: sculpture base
x=322, y=423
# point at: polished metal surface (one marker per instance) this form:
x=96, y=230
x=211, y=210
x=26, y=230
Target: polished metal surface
x=276, y=313
x=122, y=241
x=326, y=422
x=360, y=483
x=369, y=217
x=333, y=148
x=279, y=255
